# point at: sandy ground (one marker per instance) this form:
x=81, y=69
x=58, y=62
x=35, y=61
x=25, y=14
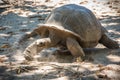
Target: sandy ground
x=102, y=64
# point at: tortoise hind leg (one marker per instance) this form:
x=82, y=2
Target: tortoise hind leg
x=75, y=49
x=109, y=43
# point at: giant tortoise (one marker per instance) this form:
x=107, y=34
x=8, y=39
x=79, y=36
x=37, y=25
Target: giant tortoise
x=71, y=27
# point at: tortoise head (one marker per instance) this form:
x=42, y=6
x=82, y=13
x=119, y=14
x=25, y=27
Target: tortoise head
x=36, y=47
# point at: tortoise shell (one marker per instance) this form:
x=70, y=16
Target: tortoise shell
x=79, y=20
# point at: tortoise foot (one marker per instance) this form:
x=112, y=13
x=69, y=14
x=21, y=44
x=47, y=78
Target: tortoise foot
x=78, y=59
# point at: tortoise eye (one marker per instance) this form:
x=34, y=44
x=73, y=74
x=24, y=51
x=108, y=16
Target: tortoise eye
x=41, y=44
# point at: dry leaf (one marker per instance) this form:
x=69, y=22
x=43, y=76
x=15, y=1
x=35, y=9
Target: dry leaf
x=24, y=30
x=3, y=28
x=101, y=75
x=118, y=11
x=22, y=69
x=3, y=58
x=5, y=46
x=84, y=2
x=100, y=65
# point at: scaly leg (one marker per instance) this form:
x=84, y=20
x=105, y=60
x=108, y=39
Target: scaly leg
x=74, y=47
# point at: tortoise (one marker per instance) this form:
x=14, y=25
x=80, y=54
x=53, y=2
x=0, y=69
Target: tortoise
x=70, y=27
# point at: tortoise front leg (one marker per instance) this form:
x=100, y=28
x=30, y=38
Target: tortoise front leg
x=36, y=47
x=74, y=47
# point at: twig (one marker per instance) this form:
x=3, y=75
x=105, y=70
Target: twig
x=5, y=6
x=35, y=15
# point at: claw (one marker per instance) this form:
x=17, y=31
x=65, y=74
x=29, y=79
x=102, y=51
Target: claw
x=79, y=59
